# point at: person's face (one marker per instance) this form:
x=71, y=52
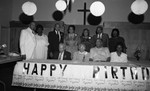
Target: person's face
x=33, y=26
x=119, y=48
x=71, y=30
x=57, y=27
x=99, y=43
x=99, y=30
x=86, y=33
x=61, y=48
x=39, y=31
x=81, y=48
x=114, y=33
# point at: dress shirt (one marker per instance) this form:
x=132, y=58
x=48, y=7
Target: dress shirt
x=99, y=54
x=60, y=57
x=115, y=58
x=99, y=36
x=58, y=33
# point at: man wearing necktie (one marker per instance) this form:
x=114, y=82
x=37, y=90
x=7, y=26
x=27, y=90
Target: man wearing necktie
x=59, y=36
x=100, y=35
x=54, y=38
x=62, y=54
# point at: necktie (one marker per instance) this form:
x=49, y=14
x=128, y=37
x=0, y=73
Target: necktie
x=101, y=36
x=59, y=35
x=56, y=32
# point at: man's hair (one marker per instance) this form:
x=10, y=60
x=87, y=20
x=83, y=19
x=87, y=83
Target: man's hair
x=63, y=44
x=100, y=28
x=99, y=40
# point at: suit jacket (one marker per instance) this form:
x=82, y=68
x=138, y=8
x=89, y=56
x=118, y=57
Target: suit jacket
x=53, y=40
x=105, y=39
x=66, y=56
x=27, y=43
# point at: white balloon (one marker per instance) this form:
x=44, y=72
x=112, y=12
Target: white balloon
x=61, y=5
x=29, y=8
x=139, y=7
x=97, y=8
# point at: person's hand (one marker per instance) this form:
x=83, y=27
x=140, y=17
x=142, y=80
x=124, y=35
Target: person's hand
x=51, y=54
x=108, y=59
x=23, y=57
x=90, y=59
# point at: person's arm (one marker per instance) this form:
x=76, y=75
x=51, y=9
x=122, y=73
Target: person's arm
x=23, y=36
x=125, y=58
x=50, y=55
x=107, y=38
x=46, y=39
x=91, y=55
x=74, y=56
x=62, y=37
x=77, y=39
x=87, y=56
x=108, y=59
x=107, y=55
x=125, y=47
x=65, y=39
x=93, y=41
x=69, y=56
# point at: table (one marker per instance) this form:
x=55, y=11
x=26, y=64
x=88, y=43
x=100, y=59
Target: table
x=68, y=75
x=4, y=64
x=8, y=59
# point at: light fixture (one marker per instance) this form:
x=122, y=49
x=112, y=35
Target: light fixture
x=29, y=8
x=139, y=7
x=97, y=8
x=61, y=5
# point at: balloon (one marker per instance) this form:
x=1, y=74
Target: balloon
x=97, y=8
x=61, y=5
x=139, y=7
x=29, y=8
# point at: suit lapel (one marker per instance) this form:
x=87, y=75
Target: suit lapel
x=64, y=56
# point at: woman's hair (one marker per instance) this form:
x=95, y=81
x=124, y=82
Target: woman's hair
x=72, y=27
x=121, y=44
x=100, y=28
x=87, y=31
x=81, y=45
x=115, y=29
x=39, y=26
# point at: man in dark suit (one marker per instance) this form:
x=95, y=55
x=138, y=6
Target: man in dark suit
x=100, y=35
x=54, y=38
x=62, y=54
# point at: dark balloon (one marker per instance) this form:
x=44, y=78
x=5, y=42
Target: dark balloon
x=135, y=19
x=25, y=19
x=58, y=15
x=93, y=20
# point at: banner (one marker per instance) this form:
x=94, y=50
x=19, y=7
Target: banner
x=81, y=77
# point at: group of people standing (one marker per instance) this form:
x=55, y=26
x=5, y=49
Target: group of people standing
x=34, y=44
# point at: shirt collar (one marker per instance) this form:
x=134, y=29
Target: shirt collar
x=83, y=52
